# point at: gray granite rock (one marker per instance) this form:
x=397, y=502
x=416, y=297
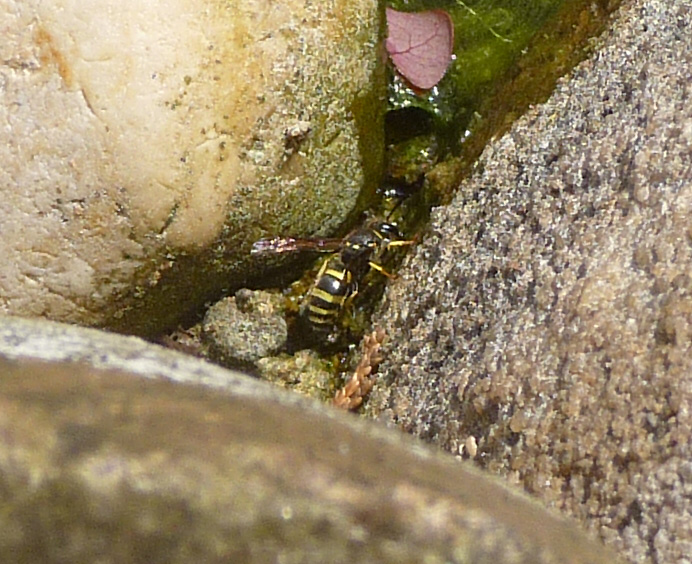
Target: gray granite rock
x=144, y=147
x=543, y=327
x=114, y=450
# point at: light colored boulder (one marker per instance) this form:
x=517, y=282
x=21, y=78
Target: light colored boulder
x=144, y=146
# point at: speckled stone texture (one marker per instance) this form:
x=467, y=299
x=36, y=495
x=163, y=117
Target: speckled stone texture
x=544, y=326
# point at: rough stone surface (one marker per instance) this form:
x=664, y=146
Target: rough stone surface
x=103, y=465
x=544, y=326
x=244, y=328
x=303, y=372
x=144, y=147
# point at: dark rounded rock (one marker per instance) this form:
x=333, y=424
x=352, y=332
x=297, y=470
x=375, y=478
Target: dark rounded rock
x=114, y=450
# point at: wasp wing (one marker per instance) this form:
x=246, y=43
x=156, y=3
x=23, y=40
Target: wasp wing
x=276, y=245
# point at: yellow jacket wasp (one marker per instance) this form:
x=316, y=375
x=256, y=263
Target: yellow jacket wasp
x=337, y=280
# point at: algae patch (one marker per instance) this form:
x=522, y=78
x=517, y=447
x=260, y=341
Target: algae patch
x=508, y=55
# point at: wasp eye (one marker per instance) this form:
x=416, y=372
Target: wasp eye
x=390, y=231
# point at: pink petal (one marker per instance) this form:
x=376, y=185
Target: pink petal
x=420, y=45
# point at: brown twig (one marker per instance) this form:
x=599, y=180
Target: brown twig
x=359, y=385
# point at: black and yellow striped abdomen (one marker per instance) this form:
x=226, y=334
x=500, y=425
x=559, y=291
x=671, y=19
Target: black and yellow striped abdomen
x=334, y=285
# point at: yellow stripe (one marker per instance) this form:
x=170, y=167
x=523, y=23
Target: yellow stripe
x=320, y=311
x=326, y=296
x=338, y=274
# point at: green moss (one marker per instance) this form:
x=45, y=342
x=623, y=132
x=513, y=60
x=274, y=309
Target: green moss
x=368, y=114
x=509, y=55
x=369, y=119
x=489, y=37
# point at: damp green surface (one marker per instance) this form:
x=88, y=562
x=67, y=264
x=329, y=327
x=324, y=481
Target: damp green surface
x=508, y=55
x=488, y=38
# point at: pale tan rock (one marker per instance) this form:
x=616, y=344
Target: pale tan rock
x=144, y=146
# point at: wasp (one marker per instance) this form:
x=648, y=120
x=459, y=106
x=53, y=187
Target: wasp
x=353, y=256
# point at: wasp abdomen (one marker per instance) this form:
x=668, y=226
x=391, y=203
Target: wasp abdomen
x=333, y=287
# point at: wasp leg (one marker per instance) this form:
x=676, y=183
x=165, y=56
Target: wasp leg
x=381, y=270
x=348, y=302
x=400, y=243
